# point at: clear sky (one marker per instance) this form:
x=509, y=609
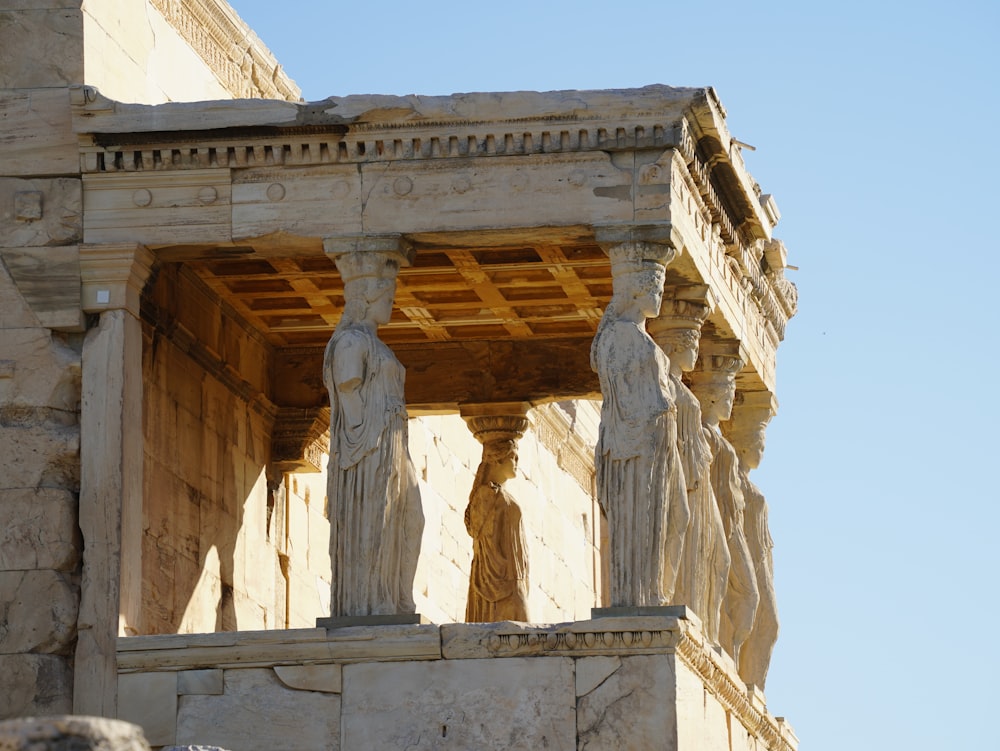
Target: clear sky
x=874, y=127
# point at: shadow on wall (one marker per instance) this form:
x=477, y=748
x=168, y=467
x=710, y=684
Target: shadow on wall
x=207, y=561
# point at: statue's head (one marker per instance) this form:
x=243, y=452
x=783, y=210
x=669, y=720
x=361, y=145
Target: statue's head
x=747, y=427
x=369, y=285
x=677, y=327
x=501, y=457
x=638, y=271
x=713, y=381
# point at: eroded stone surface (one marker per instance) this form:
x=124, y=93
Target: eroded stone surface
x=38, y=530
x=37, y=612
x=520, y=703
x=40, y=47
x=323, y=678
x=35, y=684
x=55, y=218
x=257, y=711
x=632, y=710
x=593, y=671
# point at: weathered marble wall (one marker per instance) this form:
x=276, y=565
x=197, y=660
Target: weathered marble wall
x=143, y=56
x=40, y=49
x=558, y=516
x=208, y=557
x=612, y=684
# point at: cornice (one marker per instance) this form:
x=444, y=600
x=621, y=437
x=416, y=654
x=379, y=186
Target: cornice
x=731, y=693
x=229, y=47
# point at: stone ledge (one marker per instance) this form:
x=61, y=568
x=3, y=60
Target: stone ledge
x=464, y=666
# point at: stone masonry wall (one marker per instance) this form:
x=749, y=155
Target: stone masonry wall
x=209, y=562
x=40, y=224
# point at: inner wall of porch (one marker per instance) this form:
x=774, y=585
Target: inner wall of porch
x=231, y=543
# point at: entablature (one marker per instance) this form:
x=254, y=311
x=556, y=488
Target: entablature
x=501, y=196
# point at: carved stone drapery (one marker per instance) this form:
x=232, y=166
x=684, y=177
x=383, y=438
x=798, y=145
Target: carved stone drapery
x=704, y=569
x=714, y=383
x=376, y=518
x=745, y=430
x=640, y=484
x=498, y=581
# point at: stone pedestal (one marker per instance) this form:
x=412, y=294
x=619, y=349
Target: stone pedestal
x=617, y=683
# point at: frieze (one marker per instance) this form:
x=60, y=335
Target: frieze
x=229, y=48
x=581, y=643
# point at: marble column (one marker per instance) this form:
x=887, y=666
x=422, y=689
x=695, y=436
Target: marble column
x=714, y=383
x=640, y=484
x=111, y=466
x=498, y=582
x=376, y=518
x=745, y=430
x=704, y=570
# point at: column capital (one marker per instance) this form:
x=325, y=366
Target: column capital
x=395, y=244
x=113, y=276
x=685, y=308
x=659, y=239
x=496, y=421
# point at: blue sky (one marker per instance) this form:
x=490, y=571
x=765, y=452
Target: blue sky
x=874, y=124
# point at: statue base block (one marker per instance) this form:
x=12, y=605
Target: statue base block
x=395, y=619
x=615, y=683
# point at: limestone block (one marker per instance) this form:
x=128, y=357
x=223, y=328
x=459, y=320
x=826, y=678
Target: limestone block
x=258, y=711
x=38, y=530
x=461, y=704
x=34, y=684
x=40, y=48
x=206, y=682
x=158, y=207
x=37, y=137
x=38, y=612
x=40, y=212
x=324, y=678
x=591, y=672
x=150, y=701
x=48, y=281
x=701, y=719
x=544, y=190
x=633, y=709
x=41, y=456
x=45, y=373
x=315, y=201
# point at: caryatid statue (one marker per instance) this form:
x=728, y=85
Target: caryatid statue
x=714, y=383
x=746, y=433
x=376, y=519
x=704, y=569
x=498, y=581
x=640, y=486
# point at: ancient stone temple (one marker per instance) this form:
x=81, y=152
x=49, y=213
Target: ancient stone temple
x=475, y=382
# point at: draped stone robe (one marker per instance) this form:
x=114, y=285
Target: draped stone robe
x=640, y=485
x=376, y=518
x=739, y=605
